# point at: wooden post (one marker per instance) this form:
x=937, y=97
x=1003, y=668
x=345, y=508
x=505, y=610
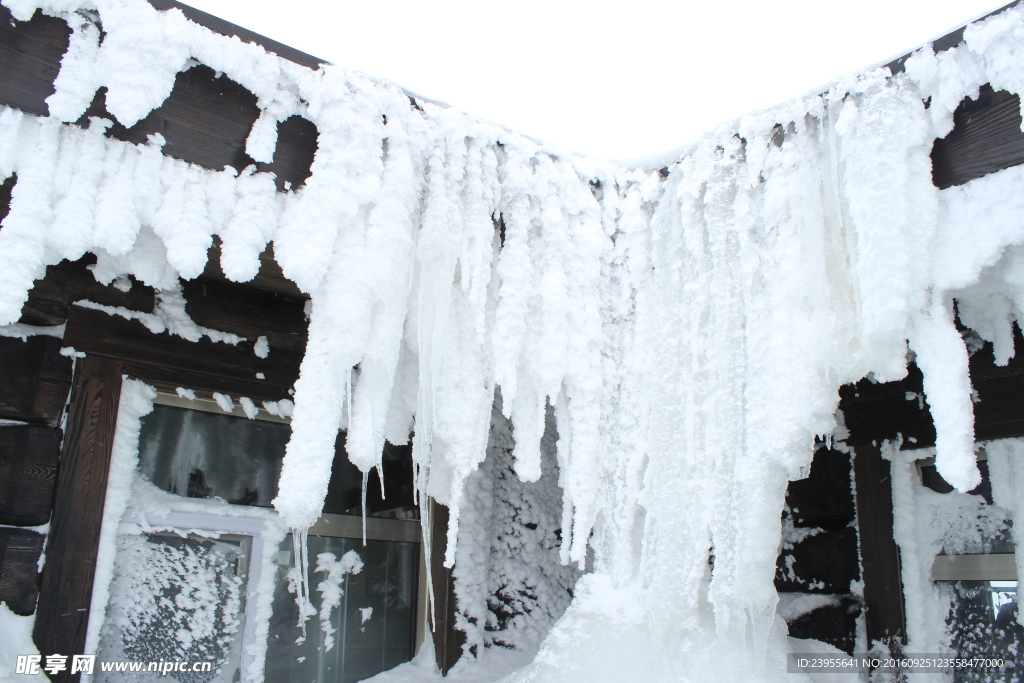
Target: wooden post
x=64, y=599
x=880, y=556
x=448, y=640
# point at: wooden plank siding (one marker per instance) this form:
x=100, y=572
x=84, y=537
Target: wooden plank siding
x=248, y=312
x=62, y=615
x=270, y=277
x=28, y=474
x=95, y=332
x=30, y=54
x=35, y=380
x=986, y=138
x=19, y=579
x=876, y=412
x=205, y=120
x=826, y=561
x=69, y=281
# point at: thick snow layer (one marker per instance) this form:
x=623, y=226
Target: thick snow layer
x=1004, y=461
x=687, y=332
x=17, y=640
x=927, y=523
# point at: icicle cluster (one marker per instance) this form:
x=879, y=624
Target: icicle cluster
x=688, y=333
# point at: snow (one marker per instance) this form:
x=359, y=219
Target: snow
x=136, y=401
x=666, y=349
x=23, y=332
x=17, y=640
x=248, y=407
x=262, y=347
x=1007, y=474
x=927, y=523
x=330, y=588
x=225, y=402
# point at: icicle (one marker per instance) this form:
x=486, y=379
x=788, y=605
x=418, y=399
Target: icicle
x=942, y=357
x=75, y=84
x=300, y=551
x=117, y=222
x=11, y=121
x=362, y=490
x=71, y=233
x=23, y=230
x=251, y=225
x=262, y=140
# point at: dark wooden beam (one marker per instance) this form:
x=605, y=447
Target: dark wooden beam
x=171, y=378
x=35, y=380
x=297, y=142
x=448, y=640
x=95, y=332
x=269, y=278
x=824, y=563
x=71, y=281
x=823, y=499
x=946, y=42
x=206, y=120
x=28, y=474
x=6, y=187
x=248, y=311
x=880, y=558
x=225, y=28
x=30, y=54
x=986, y=138
x=66, y=594
x=19, y=574
x=877, y=412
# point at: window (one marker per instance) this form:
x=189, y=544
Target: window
x=975, y=573
x=198, y=537
x=366, y=630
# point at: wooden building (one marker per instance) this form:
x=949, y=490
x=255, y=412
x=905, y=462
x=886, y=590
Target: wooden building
x=59, y=408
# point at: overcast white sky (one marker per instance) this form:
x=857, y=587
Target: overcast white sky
x=611, y=79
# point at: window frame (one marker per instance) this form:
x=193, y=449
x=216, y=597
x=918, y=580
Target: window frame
x=253, y=526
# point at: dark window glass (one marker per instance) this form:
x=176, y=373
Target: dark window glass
x=200, y=454
x=373, y=624
x=344, y=494
x=205, y=455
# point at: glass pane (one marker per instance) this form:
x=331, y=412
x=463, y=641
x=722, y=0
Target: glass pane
x=177, y=599
x=983, y=623
x=204, y=455
x=344, y=495
x=373, y=625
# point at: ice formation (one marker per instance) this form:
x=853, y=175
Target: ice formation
x=686, y=330
x=928, y=523
x=330, y=588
